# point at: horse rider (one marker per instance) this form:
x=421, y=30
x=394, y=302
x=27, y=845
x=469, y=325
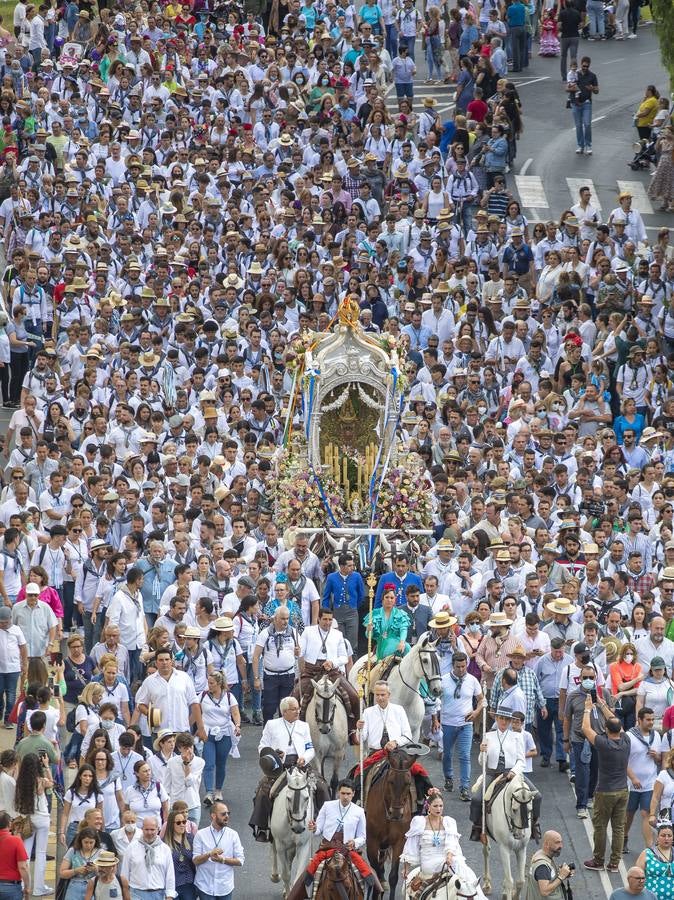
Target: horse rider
x=504, y=749
x=341, y=826
x=323, y=651
x=441, y=630
x=384, y=727
x=285, y=742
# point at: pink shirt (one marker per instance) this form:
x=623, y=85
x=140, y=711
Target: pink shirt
x=48, y=595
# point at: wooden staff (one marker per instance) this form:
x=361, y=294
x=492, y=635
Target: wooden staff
x=364, y=677
x=483, y=837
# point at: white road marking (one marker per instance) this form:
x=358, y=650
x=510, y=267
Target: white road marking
x=598, y=119
x=525, y=167
x=603, y=875
x=639, y=195
x=610, y=62
x=520, y=84
x=575, y=184
x=531, y=191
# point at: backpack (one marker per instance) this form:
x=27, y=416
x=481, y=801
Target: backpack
x=71, y=724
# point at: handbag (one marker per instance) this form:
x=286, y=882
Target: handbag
x=13, y=717
x=22, y=827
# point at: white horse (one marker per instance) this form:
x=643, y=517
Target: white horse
x=508, y=823
x=420, y=664
x=292, y=811
x=457, y=886
x=329, y=729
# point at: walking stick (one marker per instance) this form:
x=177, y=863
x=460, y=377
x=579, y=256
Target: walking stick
x=364, y=678
x=486, y=887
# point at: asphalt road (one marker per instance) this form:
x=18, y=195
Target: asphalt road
x=558, y=813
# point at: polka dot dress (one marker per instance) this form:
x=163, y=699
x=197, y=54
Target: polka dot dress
x=659, y=876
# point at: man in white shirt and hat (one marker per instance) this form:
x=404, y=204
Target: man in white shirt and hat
x=285, y=742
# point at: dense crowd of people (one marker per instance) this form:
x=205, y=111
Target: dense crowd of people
x=188, y=191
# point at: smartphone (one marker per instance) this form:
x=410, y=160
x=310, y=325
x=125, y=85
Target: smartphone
x=57, y=690
x=51, y=682
x=593, y=695
x=57, y=659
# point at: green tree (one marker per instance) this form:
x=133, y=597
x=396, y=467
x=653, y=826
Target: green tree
x=663, y=17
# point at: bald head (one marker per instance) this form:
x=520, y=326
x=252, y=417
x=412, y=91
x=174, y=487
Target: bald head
x=552, y=843
x=635, y=880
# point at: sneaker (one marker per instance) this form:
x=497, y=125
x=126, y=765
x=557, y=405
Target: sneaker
x=449, y=784
x=631, y=37
x=612, y=867
x=579, y=151
x=545, y=763
x=593, y=865
x=582, y=813
x=257, y=718
x=588, y=151
x=464, y=795
x=572, y=778
x=208, y=799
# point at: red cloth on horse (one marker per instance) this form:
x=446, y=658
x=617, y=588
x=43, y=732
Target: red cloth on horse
x=415, y=769
x=356, y=859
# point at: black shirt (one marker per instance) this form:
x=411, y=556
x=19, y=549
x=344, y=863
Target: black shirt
x=586, y=80
x=612, y=758
x=569, y=22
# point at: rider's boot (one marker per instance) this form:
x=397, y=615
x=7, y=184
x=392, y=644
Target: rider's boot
x=476, y=833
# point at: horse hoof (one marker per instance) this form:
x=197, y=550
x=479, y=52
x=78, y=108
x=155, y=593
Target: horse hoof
x=486, y=887
x=275, y=878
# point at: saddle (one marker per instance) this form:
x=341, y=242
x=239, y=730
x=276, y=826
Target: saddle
x=372, y=775
x=380, y=671
x=278, y=785
x=492, y=791
x=423, y=889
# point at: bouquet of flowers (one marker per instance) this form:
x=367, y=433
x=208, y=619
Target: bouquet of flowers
x=404, y=501
x=299, y=502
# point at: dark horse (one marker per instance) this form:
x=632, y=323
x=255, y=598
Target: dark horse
x=338, y=881
x=389, y=808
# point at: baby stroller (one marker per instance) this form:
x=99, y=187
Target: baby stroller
x=645, y=155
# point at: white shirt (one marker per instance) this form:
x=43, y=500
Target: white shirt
x=317, y=645
x=288, y=737
x=181, y=786
x=174, y=697
x=393, y=717
x=214, y=878
x=121, y=839
x=279, y=659
x=510, y=744
x=128, y=615
x=455, y=709
x=159, y=876
x=11, y=639
x=643, y=766
x=646, y=650
x=348, y=819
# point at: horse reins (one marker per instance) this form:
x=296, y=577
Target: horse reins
x=435, y=670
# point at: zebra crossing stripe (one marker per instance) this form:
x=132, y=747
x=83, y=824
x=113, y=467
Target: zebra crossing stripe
x=639, y=196
x=531, y=191
x=575, y=184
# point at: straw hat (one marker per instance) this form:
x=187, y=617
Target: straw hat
x=163, y=734
x=442, y=620
x=224, y=623
x=106, y=858
x=499, y=620
x=561, y=607
x=153, y=717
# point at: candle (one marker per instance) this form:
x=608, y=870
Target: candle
x=345, y=472
x=335, y=462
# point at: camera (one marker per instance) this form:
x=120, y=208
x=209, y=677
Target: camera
x=592, y=507
x=571, y=866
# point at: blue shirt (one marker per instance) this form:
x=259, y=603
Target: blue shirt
x=516, y=14
x=339, y=590
x=401, y=586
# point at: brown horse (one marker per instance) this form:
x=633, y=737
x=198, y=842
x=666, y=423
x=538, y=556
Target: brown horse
x=338, y=881
x=389, y=808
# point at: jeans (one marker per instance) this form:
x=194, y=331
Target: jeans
x=92, y=631
x=391, y=42
x=275, y=688
x=434, y=54
x=567, y=46
x=214, y=897
x=609, y=806
x=586, y=775
x=72, y=751
x=69, y=611
x=462, y=736
x=215, y=755
x=71, y=831
x=595, y=15
x=545, y=727
x=518, y=42
x=186, y=892
x=8, y=681
x=409, y=43
x=135, y=665
x=582, y=116
x=466, y=210
x=10, y=891
x=138, y=894
x=255, y=695
x=634, y=15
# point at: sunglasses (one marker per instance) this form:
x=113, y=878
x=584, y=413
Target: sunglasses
x=180, y=822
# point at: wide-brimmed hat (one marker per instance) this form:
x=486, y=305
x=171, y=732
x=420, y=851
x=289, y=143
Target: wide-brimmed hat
x=442, y=620
x=561, y=607
x=163, y=734
x=224, y=623
x=192, y=632
x=499, y=620
x=153, y=717
x=518, y=650
x=106, y=858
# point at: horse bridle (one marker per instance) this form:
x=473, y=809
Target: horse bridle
x=435, y=669
x=394, y=770
x=523, y=809
x=325, y=710
x=294, y=807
